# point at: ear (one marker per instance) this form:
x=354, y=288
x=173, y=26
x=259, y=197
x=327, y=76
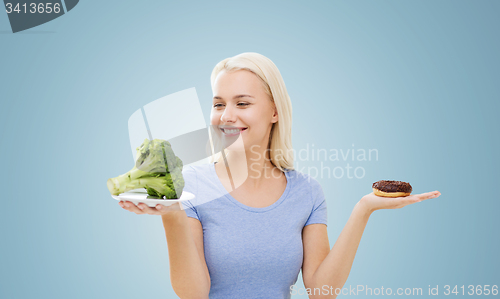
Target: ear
x=275, y=115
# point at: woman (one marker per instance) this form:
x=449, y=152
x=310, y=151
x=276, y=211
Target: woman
x=256, y=222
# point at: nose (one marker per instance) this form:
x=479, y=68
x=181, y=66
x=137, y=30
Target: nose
x=228, y=116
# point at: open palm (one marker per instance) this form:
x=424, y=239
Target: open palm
x=374, y=202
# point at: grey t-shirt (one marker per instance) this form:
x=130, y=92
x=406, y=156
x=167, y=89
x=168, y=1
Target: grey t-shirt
x=253, y=252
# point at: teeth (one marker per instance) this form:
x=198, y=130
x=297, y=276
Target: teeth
x=232, y=131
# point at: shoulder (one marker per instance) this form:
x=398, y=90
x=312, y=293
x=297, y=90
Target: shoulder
x=302, y=179
x=197, y=181
x=192, y=174
x=192, y=171
x=201, y=181
x=306, y=186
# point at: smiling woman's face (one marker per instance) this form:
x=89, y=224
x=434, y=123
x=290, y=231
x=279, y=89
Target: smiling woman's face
x=240, y=101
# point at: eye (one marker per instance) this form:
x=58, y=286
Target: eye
x=218, y=105
x=243, y=104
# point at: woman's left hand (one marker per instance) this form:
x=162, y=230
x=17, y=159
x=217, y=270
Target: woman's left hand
x=373, y=202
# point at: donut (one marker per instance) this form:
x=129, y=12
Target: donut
x=391, y=188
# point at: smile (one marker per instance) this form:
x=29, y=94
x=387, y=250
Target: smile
x=232, y=131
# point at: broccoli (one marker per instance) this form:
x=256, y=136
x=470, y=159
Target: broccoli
x=157, y=170
x=151, y=156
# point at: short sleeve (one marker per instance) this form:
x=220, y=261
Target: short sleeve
x=319, y=211
x=190, y=185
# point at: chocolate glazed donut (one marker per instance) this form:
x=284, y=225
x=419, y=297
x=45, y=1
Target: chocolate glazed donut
x=391, y=188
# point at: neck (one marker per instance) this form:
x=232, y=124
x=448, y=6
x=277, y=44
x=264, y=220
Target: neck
x=250, y=168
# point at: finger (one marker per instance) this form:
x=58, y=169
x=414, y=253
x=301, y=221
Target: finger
x=399, y=202
x=146, y=209
x=406, y=200
x=173, y=207
x=429, y=195
x=164, y=209
x=418, y=197
x=132, y=208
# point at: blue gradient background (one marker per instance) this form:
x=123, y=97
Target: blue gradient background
x=416, y=80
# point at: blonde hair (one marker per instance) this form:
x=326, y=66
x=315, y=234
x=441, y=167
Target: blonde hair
x=280, y=138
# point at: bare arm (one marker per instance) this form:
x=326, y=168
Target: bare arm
x=332, y=268
x=188, y=270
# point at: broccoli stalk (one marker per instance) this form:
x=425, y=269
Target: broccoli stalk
x=152, y=172
x=157, y=186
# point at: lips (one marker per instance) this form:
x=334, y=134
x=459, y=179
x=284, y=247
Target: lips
x=232, y=131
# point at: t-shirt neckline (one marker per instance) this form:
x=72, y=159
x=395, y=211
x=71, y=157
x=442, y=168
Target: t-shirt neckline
x=243, y=206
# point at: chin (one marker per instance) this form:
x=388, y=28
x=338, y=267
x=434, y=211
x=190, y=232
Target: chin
x=236, y=148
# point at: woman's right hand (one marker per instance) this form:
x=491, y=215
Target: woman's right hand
x=142, y=208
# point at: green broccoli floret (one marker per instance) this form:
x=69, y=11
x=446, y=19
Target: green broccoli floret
x=156, y=156
x=164, y=185
x=157, y=169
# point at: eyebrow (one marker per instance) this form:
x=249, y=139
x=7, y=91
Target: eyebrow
x=235, y=97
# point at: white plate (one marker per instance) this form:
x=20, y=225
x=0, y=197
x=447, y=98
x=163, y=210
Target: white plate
x=140, y=195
